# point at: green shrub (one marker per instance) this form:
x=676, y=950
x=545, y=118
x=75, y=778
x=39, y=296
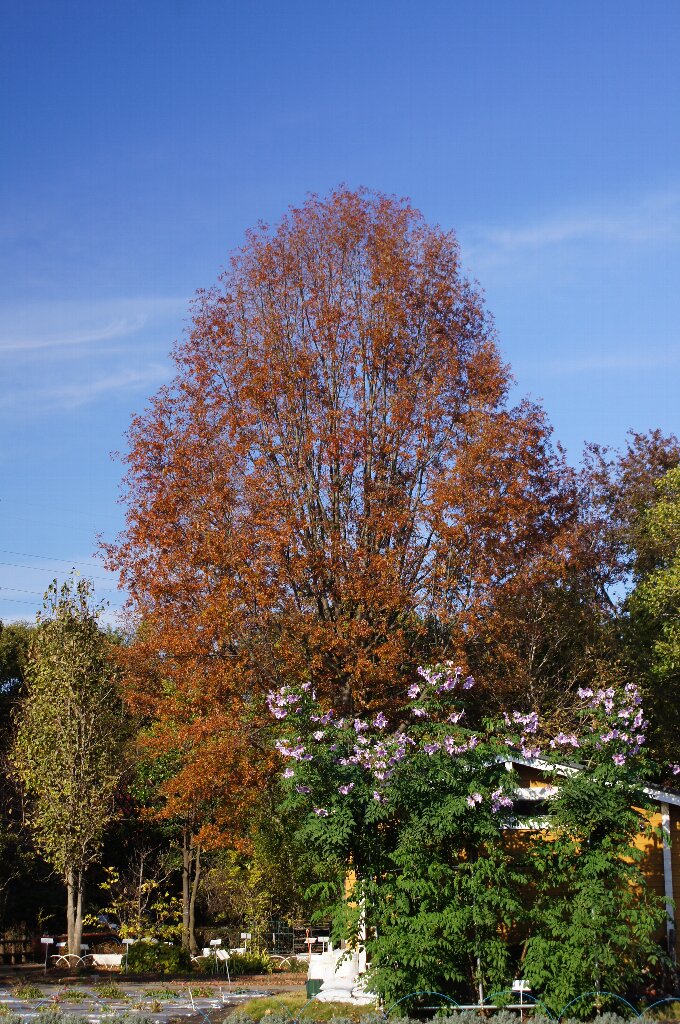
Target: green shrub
x=25, y=992
x=161, y=993
x=296, y=966
x=72, y=995
x=109, y=990
x=254, y=962
x=157, y=958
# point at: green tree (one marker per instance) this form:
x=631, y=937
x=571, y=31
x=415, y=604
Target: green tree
x=654, y=608
x=15, y=853
x=418, y=814
x=632, y=530
x=67, y=749
x=594, y=918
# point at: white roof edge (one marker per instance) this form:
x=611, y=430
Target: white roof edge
x=657, y=793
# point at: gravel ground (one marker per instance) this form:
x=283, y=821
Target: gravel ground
x=208, y=999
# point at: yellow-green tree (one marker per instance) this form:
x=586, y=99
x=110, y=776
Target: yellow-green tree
x=69, y=731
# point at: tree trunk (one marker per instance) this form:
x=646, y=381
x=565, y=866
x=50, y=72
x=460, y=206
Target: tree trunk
x=70, y=910
x=74, y=911
x=186, y=889
x=193, y=947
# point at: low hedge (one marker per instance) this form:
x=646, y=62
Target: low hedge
x=157, y=958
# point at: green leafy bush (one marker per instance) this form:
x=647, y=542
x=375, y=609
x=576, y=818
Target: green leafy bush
x=157, y=958
x=25, y=992
x=109, y=990
x=254, y=962
x=296, y=966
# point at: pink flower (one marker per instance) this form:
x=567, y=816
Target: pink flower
x=564, y=740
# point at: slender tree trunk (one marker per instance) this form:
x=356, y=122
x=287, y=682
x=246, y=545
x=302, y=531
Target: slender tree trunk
x=193, y=947
x=186, y=887
x=74, y=910
x=70, y=910
x=78, y=930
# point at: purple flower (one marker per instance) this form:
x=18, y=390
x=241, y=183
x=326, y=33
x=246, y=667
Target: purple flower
x=288, y=773
x=584, y=691
x=304, y=790
x=380, y=721
x=279, y=713
x=469, y=683
x=455, y=717
x=498, y=800
x=432, y=748
x=675, y=769
x=564, y=740
x=618, y=759
x=359, y=726
x=321, y=812
x=377, y=796
x=420, y=713
x=344, y=790
x=474, y=799
x=318, y=735
x=413, y=691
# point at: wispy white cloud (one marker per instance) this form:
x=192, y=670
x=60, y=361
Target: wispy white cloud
x=60, y=325
x=77, y=393
x=651, y=219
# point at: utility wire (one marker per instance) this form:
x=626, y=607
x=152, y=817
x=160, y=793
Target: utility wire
x=40, y=568
x=49, y=558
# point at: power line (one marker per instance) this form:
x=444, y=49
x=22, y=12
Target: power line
x=40, y=568
x=49, y=558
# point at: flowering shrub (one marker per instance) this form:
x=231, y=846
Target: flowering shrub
x=420, y=806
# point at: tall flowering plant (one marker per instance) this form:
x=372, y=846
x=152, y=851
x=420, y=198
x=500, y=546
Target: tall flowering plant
x=416, y=805
x=593, y=921
x=422, y=807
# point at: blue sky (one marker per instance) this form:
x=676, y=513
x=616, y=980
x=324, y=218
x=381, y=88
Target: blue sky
x=140, y=140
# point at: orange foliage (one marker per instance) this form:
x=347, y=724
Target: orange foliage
x=333, y=486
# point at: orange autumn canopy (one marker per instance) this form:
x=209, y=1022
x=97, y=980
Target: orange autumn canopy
x=334, y=485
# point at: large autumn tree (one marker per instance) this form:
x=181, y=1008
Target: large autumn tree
x=334, y=486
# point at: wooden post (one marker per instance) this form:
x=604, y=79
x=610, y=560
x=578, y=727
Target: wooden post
x=668, y=878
